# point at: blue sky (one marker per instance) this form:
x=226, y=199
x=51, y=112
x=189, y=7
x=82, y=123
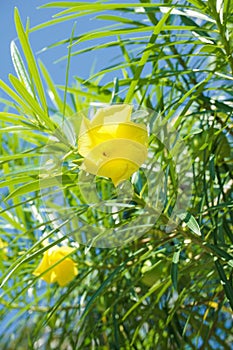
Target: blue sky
x=27, y=8
x=81, y=65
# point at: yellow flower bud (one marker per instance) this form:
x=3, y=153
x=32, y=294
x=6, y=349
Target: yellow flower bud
x=111, y=144
x=61, y=272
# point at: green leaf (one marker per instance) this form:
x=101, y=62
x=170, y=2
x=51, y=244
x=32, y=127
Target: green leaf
x=15, y=97
x=91, y=93
x=23, y=92
x=190, y=222
x=227, y=285
x=67, y=72
x=15, y=119
x=174, y=268
x=15, y=156
x=52, y=91
x=158, y=28
x=32, y=66
x=20, y=68
x=220, y=252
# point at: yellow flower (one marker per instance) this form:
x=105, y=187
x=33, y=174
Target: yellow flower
x=111, y=144
x=62, y=272
x=3, y=249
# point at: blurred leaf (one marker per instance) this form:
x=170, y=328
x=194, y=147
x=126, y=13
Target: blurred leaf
x=190, y=222
x=174, y=268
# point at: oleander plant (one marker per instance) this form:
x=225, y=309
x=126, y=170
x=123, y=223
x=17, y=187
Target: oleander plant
x=116, y=220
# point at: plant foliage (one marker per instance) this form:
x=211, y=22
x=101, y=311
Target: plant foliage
x=165, y=290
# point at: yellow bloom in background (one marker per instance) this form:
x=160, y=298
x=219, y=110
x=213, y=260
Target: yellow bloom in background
x=3, y=249
x=63, y=272
x=111, y=144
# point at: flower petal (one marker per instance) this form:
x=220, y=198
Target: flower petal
x=118, y=170
x=112, y=114
x=111, y=144
x=63, y=272
x=101, y=134
x=117, y=159
x=43, y=266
